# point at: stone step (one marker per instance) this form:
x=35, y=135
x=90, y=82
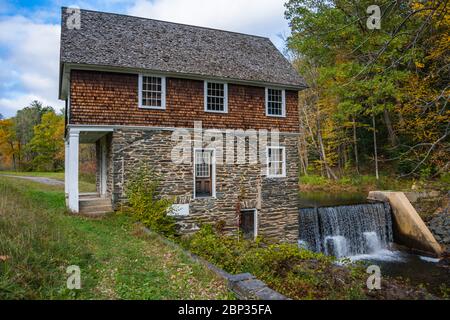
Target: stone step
x=101, y=208
x=87, y=203
x=89, y=196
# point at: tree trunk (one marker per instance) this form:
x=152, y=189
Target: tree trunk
x=355, y=146
x=329, y=172
x=19, y=155
x=391, y=133
x=13, y=156
x=303, y=148
x=375, y=151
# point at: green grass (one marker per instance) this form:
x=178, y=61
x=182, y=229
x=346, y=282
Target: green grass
x=365, y=183
x=86, y=182
x=355, y=183
x=53, y=175
x=39, y=240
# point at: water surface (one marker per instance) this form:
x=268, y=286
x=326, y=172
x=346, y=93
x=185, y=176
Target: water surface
x=326, y=199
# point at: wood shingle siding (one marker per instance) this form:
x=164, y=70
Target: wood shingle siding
x=104, y=98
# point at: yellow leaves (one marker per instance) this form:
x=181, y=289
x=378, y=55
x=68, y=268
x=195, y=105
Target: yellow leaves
x=416, y=5
x=8, y=143
x=419, y=65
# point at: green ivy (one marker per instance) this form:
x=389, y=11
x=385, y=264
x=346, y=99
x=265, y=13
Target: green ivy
x=146, y=205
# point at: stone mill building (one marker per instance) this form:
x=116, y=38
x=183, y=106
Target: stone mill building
x=214, y=113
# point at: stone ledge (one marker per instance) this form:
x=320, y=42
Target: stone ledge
x=244, y=285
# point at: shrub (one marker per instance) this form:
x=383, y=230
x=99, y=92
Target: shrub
x=313, y=180
x=445, y=178
x=297, y=273
x=146, y=204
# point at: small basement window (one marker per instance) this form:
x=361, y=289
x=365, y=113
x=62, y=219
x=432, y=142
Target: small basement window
x=216, y=96
x=204, y=173
x=152, y=92
x=248, y=223
x=276, y=162
x=275, y=102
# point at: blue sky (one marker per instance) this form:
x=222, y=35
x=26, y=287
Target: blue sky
x=30, y=31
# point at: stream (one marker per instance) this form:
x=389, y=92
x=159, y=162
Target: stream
x=347, y=226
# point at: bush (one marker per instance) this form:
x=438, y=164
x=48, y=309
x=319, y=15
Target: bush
x=146, y=204
x=313, y=180
x=297, y=273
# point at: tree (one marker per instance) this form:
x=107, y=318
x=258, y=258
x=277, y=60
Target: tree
x=8, y=143
x=393, y=79
x=25, y=120
x=47, y=143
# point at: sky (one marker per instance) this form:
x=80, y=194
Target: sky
x=30, y=31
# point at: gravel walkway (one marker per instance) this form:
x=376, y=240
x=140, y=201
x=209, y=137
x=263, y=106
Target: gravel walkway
x=49, y=181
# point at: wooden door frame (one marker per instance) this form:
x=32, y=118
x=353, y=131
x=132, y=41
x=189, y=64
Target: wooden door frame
x=213, y=172
x=255, y=221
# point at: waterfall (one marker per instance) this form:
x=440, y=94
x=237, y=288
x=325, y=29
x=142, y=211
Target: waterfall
x=346, y=230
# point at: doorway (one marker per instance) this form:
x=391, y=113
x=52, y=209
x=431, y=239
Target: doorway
x=204, y=173
x=249, y=223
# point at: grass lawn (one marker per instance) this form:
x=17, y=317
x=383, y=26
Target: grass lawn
x=86, y=183
x=39, y=240
x=366, y=183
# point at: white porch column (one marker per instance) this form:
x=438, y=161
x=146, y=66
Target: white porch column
x=74, y=136
x=66, y=165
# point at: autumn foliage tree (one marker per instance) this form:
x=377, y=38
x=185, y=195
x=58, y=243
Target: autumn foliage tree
x=48, y=144
x=33, y=139
x=377, y=96
x=8, y=144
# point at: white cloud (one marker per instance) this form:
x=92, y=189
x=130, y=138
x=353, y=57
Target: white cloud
x=260, y=17
x=31, y=54
x=8, y=106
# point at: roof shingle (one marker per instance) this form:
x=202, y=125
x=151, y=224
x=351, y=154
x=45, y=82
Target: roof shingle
x=115, y=40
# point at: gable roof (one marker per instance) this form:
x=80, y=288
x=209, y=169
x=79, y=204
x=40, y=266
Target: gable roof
x=114, y=40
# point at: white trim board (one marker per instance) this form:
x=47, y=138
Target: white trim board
x=111, y=128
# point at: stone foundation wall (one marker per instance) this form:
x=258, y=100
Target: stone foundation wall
x=237, y=185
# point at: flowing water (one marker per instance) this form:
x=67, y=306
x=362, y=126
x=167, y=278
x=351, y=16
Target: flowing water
x=364, y=232
x=346, y=230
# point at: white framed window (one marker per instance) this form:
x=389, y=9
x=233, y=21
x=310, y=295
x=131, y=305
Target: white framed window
x=202, y=164
x=276, y=162
x=152, y=91
x=275, y=102
x=216, y=96
x=204, y=173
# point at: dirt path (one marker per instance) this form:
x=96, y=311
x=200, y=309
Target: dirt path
x=49, y=181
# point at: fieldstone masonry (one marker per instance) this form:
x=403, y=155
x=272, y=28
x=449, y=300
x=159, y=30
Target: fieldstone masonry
x=237, y=185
